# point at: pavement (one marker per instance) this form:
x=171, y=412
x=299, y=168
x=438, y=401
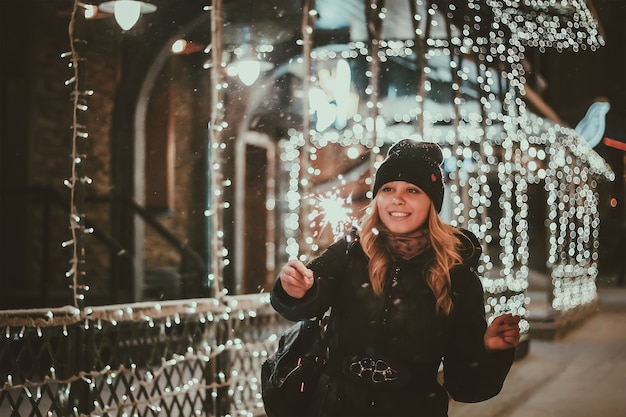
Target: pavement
x=581, y=373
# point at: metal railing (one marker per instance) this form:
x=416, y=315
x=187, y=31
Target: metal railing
x=48, y=213
x=170, y=358
x=175, y=358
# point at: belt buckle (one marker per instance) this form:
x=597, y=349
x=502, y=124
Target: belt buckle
x=374, y=370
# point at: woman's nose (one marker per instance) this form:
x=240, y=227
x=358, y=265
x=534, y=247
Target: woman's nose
x=397, y=200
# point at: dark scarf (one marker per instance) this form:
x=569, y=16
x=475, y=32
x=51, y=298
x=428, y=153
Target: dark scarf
x=406, y=246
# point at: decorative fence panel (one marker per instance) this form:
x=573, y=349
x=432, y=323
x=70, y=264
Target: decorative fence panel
x=176, y=358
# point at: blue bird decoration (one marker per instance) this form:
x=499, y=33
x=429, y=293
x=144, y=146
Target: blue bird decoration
x=591, y=127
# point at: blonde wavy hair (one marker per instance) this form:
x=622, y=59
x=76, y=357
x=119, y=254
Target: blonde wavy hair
x=443, y=239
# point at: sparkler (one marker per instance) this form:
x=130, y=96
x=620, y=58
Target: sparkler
x=332, y=211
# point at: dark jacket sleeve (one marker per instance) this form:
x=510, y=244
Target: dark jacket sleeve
x=327, y=270
x=471, y=373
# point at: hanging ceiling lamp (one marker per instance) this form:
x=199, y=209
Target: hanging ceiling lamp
x=247, y=63
x=247, y=66
x=127, y=12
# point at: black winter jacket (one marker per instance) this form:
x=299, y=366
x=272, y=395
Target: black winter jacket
x=386, y=352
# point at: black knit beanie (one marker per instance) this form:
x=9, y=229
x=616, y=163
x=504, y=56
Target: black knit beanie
x=418, y=163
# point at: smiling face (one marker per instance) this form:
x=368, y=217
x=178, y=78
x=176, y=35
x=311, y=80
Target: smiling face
x=402, y=206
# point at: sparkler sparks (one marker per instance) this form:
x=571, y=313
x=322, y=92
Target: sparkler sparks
x=333, y=212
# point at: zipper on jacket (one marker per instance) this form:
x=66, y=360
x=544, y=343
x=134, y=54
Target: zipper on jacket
x=388, y=296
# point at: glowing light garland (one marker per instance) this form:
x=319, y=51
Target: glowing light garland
x=78, y=180
x=217, y=203
x=513, y=144
x=546, y=24
x=151, y=387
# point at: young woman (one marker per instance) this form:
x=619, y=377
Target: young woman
x=405, y=300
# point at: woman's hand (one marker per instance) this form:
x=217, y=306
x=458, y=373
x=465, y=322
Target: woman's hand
x=503, y=333
x=296, y=278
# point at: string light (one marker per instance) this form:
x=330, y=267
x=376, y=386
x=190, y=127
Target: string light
x=489, y=137
x=76, y=183
x=217, y=147
x=547, y=24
